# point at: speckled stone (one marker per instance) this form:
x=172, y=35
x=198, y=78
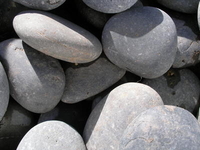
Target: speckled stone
x=36, y=80
x=4, y=92
x=136, y=40
x=86, y=80
x=114, y=6
x=41, y=4
x=178, y=88
x=52, y=135
x=57, y=37
x=185, y=6
x=188, y=46
x=14, y=125
x=110, y=117
x=162, y=127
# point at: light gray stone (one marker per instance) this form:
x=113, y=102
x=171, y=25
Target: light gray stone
x=142, y=40
x=162, y=128
x=52, y=135
x=41, y=4
x=57, y=37
x=113, y=6
x=177, y=87
x=110, y=117
x=184, y=6
x=4, y=92
x=86, y=80
x=36, y=80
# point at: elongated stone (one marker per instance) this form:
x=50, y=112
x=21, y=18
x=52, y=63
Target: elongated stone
x=136, y=40
x=57, y=37
x=51, y=135
x=4, y=92
x=112, y=114
x=162, y=127
x=41, y=4
x=86, y=80
x=36, y=80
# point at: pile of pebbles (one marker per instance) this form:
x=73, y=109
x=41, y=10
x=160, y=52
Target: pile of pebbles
x=99, y=74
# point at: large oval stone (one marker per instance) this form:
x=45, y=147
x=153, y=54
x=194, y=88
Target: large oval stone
x=4, y=91
x=41, y=4
x=112, y=114
x=86, y=80
x=142, y=40
x=36, y=80
x=162, y=127
x=57, y=37
x=185, y=6
x=113, y=6
x=177, y=87
x=52, y=135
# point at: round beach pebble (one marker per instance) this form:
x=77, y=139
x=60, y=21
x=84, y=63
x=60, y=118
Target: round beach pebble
x=161, y=128
x=113, y=6
x=178, y=88
x=110, y=117
x=41, y=4
x=184, y=6
x=142, y=40
x=86, y=80
x=36, y=80
x=14, y=125
x=4, y=92
x=57, y=37
x=188, y=46
x=52, y=135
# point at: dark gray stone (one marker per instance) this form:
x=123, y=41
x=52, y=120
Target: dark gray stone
x=113, y=6
x=162, y=128
x=14, y=125
x=112, y=114
x=185, y=6
x=177, y=87
x=142, y=40
x=74, y=115
x=57, y=37
x=36, y=80
x=188, y=46
x=52, y=135
x=4, y=92
x=86, y=80
x=41, y=4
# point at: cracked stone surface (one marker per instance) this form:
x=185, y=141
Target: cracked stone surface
x=113, y=113
x=161, y=128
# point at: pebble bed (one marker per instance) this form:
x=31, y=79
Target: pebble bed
x=99, y=75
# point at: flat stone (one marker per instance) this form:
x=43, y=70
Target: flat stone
x=86, y=80
x=74, y=115
x=36, y=80
x=110, y=117
x=188, y=46
x=4, y=92
x=41, y=4
x=183, y=6
x=106, y=6
x=162, y=127
x=57, y=37
x=51, y=135
x=14, y=125
x=178, y=88
x=136, y=40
